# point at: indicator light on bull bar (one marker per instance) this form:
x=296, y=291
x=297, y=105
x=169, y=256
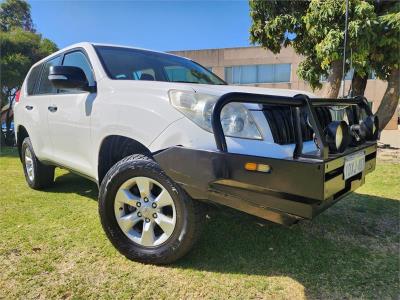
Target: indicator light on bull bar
x=250, y=166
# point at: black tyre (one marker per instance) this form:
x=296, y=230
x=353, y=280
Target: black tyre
x=145, y=215
x=37, y=174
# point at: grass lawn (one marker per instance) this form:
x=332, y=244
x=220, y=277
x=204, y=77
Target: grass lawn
x=52, y=246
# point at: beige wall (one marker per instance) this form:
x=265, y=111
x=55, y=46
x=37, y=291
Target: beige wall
x=218, y=59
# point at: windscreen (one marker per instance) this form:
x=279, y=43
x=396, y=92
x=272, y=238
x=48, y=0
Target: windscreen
x=133, y=64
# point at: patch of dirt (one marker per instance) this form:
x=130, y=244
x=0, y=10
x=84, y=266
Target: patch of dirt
x=389, y=154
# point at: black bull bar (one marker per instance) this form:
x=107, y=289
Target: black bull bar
x=297, y=102
x=298, y=187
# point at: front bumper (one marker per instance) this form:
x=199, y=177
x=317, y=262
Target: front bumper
x=294, y=189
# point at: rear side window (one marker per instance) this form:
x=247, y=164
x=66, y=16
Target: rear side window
x=33, y=79
x=45, y=86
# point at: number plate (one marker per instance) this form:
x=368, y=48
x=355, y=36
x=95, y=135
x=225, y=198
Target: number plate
x=354, y=164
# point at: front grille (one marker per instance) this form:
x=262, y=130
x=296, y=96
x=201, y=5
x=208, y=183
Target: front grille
x=281, y=122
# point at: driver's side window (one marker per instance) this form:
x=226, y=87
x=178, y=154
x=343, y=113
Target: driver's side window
x=78, y=59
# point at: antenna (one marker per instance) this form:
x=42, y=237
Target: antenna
x=344, y=48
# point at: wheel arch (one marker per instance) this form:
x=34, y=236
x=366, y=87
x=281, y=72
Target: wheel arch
x=22, y=133
x=113, y=148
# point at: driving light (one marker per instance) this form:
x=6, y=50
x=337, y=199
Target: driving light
x=370, y=128
x=236, y=119
x=337, y=136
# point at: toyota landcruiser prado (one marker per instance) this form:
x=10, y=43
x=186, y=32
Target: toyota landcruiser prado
x=161, y=135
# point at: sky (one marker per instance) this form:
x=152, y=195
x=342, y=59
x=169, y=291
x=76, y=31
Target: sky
x=158, y=25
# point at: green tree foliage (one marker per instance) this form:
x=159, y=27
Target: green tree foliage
x=385, y=58
x=19, y=50
x=319, y=29
x=20, y=47
x=15, y=14
x=373, y=39
x=386, y=55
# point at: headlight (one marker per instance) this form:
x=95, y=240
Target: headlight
x=370, y=127
x=236, y=119
x=337, y=136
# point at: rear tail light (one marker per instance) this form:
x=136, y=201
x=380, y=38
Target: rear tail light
x=17, y=95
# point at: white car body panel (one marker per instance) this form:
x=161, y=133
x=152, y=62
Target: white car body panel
x=70, y=130
x=196, y=138
x=36, y=120
x=140, y=110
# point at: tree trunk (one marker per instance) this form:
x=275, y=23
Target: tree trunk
x=334, y=80
x=358, y=84
x=390, y=99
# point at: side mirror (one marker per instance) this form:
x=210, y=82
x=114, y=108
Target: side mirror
x=68, y=77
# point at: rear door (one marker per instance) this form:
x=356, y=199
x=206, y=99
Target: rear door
x=34, y=106
x=69, y=114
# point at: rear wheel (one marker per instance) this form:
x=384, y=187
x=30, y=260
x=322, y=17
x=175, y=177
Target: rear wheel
x=37, y=174
x=146, y=216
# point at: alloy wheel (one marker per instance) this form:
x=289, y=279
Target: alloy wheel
x=29, y=164
x=145, y=211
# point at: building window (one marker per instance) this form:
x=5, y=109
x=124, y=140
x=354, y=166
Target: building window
x=258, y=74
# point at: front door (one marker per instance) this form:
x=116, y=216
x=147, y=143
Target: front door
x=69, y=115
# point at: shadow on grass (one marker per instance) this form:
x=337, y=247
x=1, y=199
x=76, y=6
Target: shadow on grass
x=332, y=256
x=72, y=183
x=348, y=251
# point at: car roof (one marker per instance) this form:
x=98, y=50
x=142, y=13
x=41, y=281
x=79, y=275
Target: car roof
x=89, y=44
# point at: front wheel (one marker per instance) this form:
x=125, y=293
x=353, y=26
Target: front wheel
x=147, y=216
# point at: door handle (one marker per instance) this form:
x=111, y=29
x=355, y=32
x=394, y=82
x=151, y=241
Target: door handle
x=52, y=108
x=29, y=107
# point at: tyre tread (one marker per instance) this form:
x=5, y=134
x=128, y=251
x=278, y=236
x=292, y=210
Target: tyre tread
x=195, y=214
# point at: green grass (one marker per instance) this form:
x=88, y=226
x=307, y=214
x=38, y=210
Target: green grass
x=52, y=246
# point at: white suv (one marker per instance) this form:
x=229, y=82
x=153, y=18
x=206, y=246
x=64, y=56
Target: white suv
x=154, y=130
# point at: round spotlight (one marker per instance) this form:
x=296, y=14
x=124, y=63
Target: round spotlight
x=370, y=128
x=337, y=136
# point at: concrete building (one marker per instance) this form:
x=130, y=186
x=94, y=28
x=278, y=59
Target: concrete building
x=259, y=67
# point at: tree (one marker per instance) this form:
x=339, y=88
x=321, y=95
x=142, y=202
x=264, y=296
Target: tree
x=386, y=57
x=15, y=14
x=318, y=27
x=20, y=48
